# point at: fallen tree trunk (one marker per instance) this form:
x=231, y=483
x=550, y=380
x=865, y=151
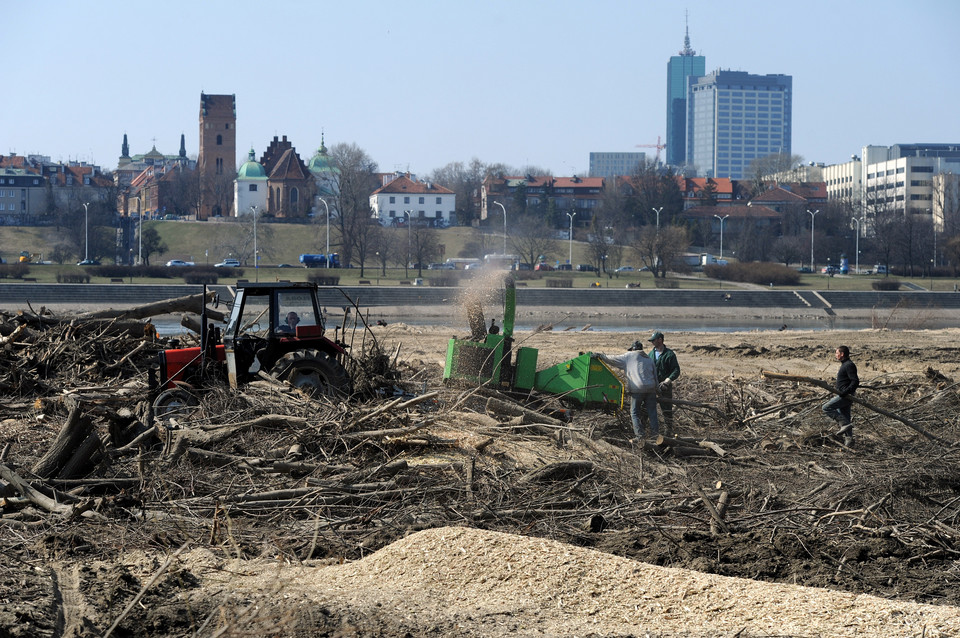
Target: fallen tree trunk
x=855, y=399
x=190, y=303
x=71, y=435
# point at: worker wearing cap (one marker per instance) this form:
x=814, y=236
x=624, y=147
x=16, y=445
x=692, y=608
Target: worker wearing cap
x=665, y=362
x=641, y=385
x=838, y=408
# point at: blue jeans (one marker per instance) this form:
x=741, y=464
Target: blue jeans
x=838, y=409
x=647, y=401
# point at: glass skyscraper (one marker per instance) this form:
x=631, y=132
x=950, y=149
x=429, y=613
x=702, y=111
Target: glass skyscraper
x=682, y=66
x=734, y=117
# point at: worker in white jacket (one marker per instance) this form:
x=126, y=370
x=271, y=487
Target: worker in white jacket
x=641, y=385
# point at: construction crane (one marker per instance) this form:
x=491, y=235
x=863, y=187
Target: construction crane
x=657, y=146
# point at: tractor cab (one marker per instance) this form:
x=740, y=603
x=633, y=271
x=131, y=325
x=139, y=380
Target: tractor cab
x=275, y=328
x=268, y=322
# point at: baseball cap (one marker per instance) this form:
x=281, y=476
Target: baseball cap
x=656, y=335
x=637, y=345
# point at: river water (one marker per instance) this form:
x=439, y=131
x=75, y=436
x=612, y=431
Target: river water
x=170, y=325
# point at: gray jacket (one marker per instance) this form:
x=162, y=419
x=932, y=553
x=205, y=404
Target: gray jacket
x=638, y=368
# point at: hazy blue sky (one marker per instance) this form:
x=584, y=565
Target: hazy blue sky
x=419, y=84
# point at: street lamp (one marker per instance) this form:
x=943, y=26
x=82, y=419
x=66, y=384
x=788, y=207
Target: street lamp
x=256, y=254
x=813, y=217
x=406, y=264
x=504, y=227
x=324, y=202
x=86, y=231
x=658, y=211
x=140, y=230
x=857, y=222
x=571, y=216
x=722, y=219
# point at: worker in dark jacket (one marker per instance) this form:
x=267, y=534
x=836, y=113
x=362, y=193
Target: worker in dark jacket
x=838, y=408
x=668, y=370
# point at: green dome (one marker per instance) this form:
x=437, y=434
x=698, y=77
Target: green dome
x=252, y=169
x=321, y=162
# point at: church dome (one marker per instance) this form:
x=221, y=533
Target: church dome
x=321, y=163
x=252, y=169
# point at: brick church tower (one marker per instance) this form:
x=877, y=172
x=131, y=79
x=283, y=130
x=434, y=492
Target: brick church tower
x=217, y=161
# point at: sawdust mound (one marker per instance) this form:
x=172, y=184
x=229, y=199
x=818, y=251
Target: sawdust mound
x=459, y=581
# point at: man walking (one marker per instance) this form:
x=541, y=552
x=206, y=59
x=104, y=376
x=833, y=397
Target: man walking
x=641, y=385
x=838, y=408
x=668, y=370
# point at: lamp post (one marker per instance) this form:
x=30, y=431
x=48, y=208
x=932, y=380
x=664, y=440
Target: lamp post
x=256, y=254
x=140, y=230
x=571, y=216
x=722, y=219
x=813, y=217
x=86, y=232
x=658, y=211
x=406, y=263
x=857, y=222
x=504, y=227
x=324, y=202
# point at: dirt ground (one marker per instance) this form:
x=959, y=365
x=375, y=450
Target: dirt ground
x=788, y=532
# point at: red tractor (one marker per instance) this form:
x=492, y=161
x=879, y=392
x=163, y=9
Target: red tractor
x=276, y=328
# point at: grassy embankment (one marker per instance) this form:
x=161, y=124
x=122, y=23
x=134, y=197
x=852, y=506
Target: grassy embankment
x=208, y=243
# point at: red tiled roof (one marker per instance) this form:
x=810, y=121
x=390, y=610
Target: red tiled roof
x=579, y=182
x=404, y=184
x=722, y=185
x=779, y=195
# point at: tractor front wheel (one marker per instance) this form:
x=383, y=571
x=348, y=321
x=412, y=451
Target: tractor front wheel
x=312, y=371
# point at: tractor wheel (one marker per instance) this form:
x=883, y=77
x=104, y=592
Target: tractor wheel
x=175, y=402
x=312, y=371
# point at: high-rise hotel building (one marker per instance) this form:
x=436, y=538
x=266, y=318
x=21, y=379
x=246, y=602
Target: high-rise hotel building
x=734, y=117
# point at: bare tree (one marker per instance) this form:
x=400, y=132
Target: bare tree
x=530, y=238
x=424, y=243
x=659, y=249
x=465, y=182
x=356, y=180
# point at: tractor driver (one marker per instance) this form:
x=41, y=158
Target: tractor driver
x=290, y=327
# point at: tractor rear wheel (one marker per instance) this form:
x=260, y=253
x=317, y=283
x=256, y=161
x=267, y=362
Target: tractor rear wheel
x=313, y=371
x=175, y=402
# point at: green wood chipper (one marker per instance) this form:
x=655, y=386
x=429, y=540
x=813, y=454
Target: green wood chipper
x=489, y=357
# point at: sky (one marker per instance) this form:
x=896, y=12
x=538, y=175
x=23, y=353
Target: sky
x=420, y=84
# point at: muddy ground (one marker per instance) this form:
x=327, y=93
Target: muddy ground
x=796, y=506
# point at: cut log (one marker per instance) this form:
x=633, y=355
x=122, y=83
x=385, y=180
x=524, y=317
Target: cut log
x=190, y=303
x=506, y=408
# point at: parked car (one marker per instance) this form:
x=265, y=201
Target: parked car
x=625, y=269
x=228, y=263
x=586, y=268
x=441, y=267
x=523, y=266
x=565, y=267
x=284, y=266
x=829, y=270
x=179, y=262
x=543, y=267
x=88, y=262
x=474, y=266
x=804, y=269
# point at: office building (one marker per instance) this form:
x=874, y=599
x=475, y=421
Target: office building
x=615, y=164
x=680, y=69
x=733, y=118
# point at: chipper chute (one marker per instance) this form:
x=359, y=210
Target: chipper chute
x=488, y=357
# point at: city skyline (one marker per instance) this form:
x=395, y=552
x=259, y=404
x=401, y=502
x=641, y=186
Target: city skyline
x=423, y=84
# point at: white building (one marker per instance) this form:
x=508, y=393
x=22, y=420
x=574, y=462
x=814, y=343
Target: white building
x=250, y=187
x=404, y=197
